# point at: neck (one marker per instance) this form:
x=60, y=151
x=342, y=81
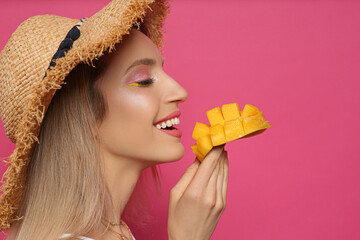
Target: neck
x=121, y=176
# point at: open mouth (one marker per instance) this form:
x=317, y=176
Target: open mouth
x=168, y=127
x=168, y=124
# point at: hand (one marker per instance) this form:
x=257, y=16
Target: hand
x=199, y=198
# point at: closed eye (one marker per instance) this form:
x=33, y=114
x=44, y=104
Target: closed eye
x=142, y=83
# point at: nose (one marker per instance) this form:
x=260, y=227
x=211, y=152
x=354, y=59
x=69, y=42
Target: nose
x=174, y=92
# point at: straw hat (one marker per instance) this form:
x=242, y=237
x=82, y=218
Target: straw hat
x=36, y=59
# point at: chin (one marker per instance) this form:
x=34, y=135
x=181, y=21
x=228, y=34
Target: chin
x=172, y=154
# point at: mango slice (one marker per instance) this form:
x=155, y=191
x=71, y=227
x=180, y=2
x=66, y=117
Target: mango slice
x=230, y=111
x=215, y=116
x=197, y=152
x=204, y=144
x=201, y=129
x=234, y=129
x=254, y=124
x=226, y=124
x=217, y=135
x=249, y=110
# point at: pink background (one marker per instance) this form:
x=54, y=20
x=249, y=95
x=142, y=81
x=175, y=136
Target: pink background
x=298, y=61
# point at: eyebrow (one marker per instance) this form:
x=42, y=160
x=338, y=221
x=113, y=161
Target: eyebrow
x=143, y=61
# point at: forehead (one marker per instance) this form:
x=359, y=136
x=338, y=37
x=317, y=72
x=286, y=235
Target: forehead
x=134, y=46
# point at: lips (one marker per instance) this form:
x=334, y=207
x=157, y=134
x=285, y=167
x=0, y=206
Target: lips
x=172, y=131
x=175, y=132
x=171, y=115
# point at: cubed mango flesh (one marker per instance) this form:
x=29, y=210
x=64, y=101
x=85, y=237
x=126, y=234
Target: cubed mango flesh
x=249, y=110
x=204, y=144
x=215, y=116
x=217, y=135
x=226, y=124
x=252, y=124
x=200, y=129
x=258, y=115
x=230, y=111
x=234, y=129
x=197, y=152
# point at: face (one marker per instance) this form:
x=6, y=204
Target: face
x=139, y=93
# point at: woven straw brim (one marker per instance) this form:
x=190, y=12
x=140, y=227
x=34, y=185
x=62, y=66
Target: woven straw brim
x=24, y=92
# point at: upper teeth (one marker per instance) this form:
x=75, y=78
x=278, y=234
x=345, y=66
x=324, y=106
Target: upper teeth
x=168, y=123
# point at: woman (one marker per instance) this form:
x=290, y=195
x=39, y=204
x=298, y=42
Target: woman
x=108, y=122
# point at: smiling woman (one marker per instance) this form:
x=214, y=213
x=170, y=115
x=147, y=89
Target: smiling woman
x=137, y=107
x=93, y=124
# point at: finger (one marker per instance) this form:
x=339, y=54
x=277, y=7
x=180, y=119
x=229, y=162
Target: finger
x=187, y=177
x=206, y=168
x=226, y=177
x=212, y=183
x=219, y=182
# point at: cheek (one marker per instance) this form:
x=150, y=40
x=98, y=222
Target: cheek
x=135, y=108
x=129, y=122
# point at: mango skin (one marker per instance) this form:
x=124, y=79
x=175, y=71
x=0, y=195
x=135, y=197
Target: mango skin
x=226, y=124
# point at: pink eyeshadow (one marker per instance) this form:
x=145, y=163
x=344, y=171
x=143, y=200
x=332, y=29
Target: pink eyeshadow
x=138, y=76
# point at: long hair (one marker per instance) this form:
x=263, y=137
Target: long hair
x=65, y=189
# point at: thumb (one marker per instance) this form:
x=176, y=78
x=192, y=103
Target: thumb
x=185, y=180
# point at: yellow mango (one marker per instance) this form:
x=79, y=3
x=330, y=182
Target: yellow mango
x=204, y=144
x=259, y=115
x=230, y=111
x=234, y=129
x=200, y=129
x=226, y=124
x=217, y=135
x=249, y=110
x=252, y=124
x=196, y=152
x=215, y=116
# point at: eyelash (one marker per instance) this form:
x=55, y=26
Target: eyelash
x=146, y=82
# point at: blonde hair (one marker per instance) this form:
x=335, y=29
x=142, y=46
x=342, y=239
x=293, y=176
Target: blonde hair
x=65, y=188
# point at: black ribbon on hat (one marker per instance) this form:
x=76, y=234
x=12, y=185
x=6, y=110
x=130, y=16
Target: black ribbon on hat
x=67, y=43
